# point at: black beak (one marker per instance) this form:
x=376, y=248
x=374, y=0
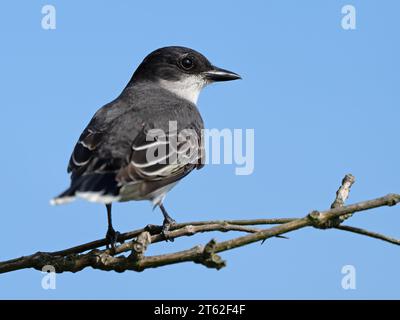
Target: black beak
x=218, y=74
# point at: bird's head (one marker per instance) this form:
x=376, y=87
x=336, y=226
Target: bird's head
x=181, y=70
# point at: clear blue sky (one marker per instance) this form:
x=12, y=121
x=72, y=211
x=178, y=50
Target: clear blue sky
x=323, y=102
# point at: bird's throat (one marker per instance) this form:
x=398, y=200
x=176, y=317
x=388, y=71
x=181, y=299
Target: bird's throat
x=188, y=88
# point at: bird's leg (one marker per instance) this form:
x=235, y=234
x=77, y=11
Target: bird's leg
x=111, y=235
x=168, y=222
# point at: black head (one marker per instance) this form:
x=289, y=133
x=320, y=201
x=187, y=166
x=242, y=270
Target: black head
x=180, y=63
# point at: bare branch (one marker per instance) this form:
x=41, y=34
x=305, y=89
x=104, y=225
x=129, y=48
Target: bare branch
x=136, y=242
x=343, y=192
x=219, y=225
x=341, y=196
x=369, y=234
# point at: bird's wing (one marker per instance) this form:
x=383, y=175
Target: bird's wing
x=85, y=150
x=88, y=155
x=115, y=150
x=150, y=166
x=157, y=156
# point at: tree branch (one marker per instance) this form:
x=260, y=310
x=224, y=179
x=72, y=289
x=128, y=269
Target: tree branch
x=369, y=234
x=136, y=242
x=343, y=192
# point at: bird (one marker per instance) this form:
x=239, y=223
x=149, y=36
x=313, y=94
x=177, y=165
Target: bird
x=111, y=163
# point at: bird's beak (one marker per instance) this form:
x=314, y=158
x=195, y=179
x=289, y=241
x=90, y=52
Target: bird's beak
x=218, y=74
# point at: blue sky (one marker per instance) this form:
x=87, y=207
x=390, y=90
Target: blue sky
x=323, y=102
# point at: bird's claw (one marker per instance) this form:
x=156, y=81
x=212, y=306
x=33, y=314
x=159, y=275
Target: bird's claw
x=112, y=238
x=168, y=222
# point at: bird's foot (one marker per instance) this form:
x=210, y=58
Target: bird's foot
x=167, y=224
x=112, y=238
x=153, y=229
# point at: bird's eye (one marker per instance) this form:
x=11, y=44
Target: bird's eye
x=187, y=63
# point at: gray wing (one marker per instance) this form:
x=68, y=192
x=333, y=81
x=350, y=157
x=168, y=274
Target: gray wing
x=93, y=153
x=116, y=149
x=165, y=158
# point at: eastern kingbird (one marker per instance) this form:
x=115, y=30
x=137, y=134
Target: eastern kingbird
x=112, y=160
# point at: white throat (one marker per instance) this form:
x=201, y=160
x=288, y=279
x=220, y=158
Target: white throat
x=187, y=88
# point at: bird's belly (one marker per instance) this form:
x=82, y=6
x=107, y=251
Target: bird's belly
x=135, y=191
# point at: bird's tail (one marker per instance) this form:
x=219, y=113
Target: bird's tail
x=94, y=187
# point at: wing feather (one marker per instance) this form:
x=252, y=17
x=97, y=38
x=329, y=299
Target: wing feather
x=166, y=158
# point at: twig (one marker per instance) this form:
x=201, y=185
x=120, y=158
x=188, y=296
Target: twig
x=341, y=196
x=74, y=259
x=219, y=225
x=369, y=234
x=343, y=192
